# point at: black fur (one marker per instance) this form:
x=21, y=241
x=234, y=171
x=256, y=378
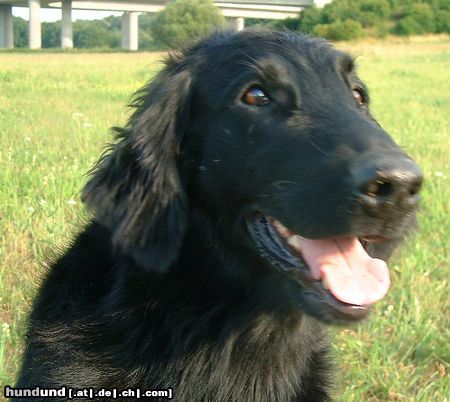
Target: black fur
x=165, y=287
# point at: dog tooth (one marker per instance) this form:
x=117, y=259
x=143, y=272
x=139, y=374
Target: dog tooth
x=278, y=224
x=325, y=283
x=294, y=242
x=282, y=230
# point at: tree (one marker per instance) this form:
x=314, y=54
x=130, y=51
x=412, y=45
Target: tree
x=422, y=13
x=442, y=21
x=373, y=12
x=89, y=34
x=310, y=17
x=20, y=32
x=51, y=34
x=146, y=40
x=340, y=30
x=185, y=21
x=340, y=10
x=419, y=19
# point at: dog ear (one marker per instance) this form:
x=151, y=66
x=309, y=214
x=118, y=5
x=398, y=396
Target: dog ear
x=135, y=190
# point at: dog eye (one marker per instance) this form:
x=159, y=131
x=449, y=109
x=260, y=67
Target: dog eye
x=359, y=96
x=255, y=96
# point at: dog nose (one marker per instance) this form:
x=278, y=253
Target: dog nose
x=387, y=181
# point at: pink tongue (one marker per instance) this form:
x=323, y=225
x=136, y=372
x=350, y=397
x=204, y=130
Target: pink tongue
x=351, y=275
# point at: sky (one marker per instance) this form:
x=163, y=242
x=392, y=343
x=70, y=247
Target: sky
x=48, y=15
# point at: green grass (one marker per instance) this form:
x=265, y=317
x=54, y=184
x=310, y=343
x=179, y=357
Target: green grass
x=55, y=111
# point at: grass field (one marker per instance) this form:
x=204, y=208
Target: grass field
x=55, y=110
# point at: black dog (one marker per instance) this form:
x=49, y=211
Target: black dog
x=234, y=216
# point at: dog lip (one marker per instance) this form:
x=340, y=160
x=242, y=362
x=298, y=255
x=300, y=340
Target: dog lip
x=272, y=246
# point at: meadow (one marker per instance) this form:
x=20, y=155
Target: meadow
x=55, y=112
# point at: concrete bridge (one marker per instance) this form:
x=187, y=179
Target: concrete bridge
x=235, y=10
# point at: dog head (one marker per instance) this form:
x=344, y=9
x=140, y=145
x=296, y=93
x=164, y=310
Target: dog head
x=271, y=133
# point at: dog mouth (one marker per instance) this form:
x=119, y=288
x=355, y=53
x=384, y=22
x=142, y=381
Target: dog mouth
x=336, y=271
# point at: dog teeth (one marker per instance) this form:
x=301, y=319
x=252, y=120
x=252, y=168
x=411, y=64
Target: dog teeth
x=294, y=242
x=282, y=230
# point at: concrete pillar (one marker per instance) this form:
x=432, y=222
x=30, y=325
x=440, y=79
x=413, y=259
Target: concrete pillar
x=130, y=30
x=237, y=24
x=66, y=25
x=6, y=27
x=34, y=25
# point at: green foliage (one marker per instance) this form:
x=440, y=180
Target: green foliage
x=89, y=34
x=380, y=8
x=422, y=13
x=20, y=32
x=418, y=19
x=310, y=17
x=443, y=21
x=340, y=30
x=407, y=26
x=288, y=23
x=184, y=21
x=51, y=34
x=250, y=22
x=146, y=40
x=340, y=10
x=382, y=30
x=377, y=17
x=373, y=12
x=113, y=23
